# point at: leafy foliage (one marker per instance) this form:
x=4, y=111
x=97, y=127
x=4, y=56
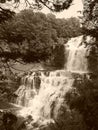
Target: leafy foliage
x=56, y=5
x=90, y=19
x=5, y=14
x=8, y=85
x=83, y=98
x=32, y=36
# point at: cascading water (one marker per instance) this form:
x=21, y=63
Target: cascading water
x=77, y=56
x=47, y=103
x=27, y=90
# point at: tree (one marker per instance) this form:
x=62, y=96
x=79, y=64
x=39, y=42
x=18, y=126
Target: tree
x=90, y=18
x=53, y=5
x=36, y=4
x=89, y=13
x=5, y=14
x=28, y=34
x=83, y=98
x=85, y=101
x=32, y=36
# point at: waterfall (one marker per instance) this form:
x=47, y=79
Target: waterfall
x=77, y=55
x=42, y=93
x=27, y=90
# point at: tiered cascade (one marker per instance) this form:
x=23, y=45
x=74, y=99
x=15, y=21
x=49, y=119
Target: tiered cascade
x=43, y=93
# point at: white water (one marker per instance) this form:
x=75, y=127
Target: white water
x=48, y=102
x=26, y=91
x=53, y=88
x=77, y=56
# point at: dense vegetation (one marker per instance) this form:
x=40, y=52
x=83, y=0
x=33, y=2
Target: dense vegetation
x=34, y=36
x=84, y=100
